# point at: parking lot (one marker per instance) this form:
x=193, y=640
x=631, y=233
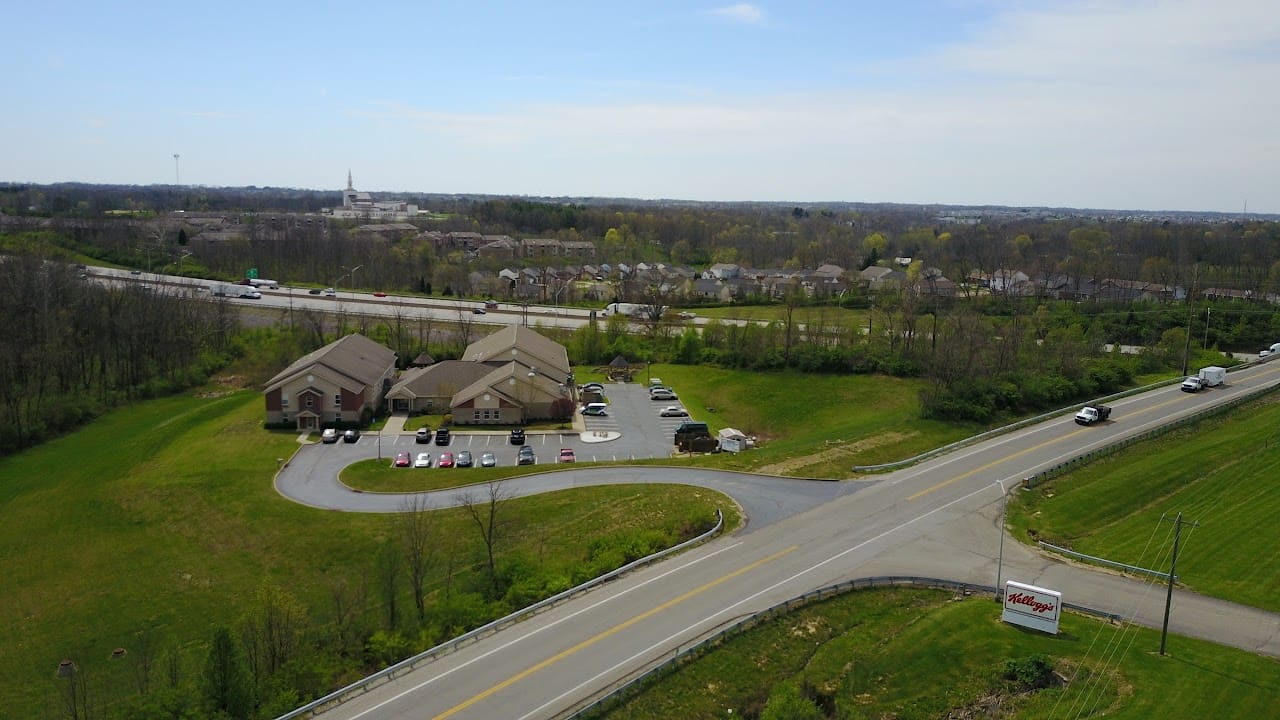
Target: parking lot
x=632, y=416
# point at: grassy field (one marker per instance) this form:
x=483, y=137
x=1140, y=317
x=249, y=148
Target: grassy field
x=908, y=654
x=810, y=425
x=161, y=517
x=1219, y=473
x=826, y=315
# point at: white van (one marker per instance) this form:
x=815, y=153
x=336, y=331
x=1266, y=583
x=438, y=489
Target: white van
x=595, y=408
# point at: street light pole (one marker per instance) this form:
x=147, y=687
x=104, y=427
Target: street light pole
x=1004, y=505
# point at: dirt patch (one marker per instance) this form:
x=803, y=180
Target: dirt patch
x=224, y=385
x=835, y=450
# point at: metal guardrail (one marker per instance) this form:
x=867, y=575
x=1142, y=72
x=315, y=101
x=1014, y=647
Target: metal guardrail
x=365, y=684
x=1103, y=561
x=625, y=689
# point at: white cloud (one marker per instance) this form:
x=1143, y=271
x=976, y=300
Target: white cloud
x=742, y=12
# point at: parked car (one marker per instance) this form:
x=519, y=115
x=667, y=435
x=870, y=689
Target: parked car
x=517, y=436
x=567, y=456
x=596, y=408
x=423, y=436
x=593, y=387
x=687, y=316
x=662, y=394
x=446, y=460
x=674, y=411
x=402, y=459
x=351, y=435
x=442, y=436
x=526, y=456
x=424, y=460
x=488, y=460
x=464, y=459
x=330, y=435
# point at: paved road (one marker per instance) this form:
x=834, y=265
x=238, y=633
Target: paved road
x=939, y=518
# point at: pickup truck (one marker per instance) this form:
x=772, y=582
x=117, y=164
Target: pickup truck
x=1193, y=383
x=1090, y=414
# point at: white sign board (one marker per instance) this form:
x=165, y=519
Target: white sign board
x=1032, y=607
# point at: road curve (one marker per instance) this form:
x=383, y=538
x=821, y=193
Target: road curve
x=939, y=518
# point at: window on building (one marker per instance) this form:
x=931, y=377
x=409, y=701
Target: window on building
x=309, y=401
x=337, y=400
x=284, y=401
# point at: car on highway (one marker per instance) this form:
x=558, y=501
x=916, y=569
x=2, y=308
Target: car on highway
x=490, y=304
x=442, y=436
x=526, y=456
x=478, y=310
x=135, y=272
x=464, y=459
x=517, y=436
x=423, y=436
x=488, y=460
x=687, y=316
x=330, y=435
x=379, y=294
x=330, y=292
x=351, y=436
x=313, y=291
x=567, y=456
x=674, y=411
x=423, y=460
x=403, y=459
x=446, y=460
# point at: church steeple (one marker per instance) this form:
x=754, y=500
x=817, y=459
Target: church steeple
x=349, y=185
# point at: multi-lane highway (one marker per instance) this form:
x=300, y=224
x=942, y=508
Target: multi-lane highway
x=938, y=519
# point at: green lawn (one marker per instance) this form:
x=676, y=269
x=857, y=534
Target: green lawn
x=1219, y=473
x=810, y=425
x=161, y=517
x=823, y=315
x=915, y=654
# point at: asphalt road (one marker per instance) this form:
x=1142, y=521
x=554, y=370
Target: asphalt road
x=939, y=518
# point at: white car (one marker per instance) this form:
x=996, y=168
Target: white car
x=662, y=394
x=488, y=460
x=423, y=460
x=674, y=411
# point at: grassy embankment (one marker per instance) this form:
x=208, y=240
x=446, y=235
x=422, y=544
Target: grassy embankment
x=916, y=654
x=161, y=518
x=1219, y=473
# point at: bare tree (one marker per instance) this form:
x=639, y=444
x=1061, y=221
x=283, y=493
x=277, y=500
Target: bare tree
x=417, y=530
x=388, y=572
x=485, y=514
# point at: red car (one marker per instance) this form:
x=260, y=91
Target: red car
x=379, y=294
x=446, y=460
x=403, y=459
x=566, y=455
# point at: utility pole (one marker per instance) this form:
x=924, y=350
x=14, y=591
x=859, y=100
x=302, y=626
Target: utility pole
x=1191, y=302
x=1004, y=505
x=1173, y=566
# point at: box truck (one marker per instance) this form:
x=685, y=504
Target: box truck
x=235, y=291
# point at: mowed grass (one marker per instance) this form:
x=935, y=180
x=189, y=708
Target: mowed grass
x=917, y=654
x=1220, y=473
x=819, y=315
x=161, y=517
x=810, y=425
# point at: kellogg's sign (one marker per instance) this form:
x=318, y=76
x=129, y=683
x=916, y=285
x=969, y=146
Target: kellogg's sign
x=1032, y=607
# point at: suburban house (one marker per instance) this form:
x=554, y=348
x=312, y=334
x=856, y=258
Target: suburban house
x=507, y=378
x=342, y=382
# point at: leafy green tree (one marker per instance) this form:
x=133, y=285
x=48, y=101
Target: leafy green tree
x=228, y=686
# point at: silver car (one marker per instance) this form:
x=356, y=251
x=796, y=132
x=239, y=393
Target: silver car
x=488, y=460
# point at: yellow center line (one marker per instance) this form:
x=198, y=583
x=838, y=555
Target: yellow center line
x=611, y=631
x=1020, y=453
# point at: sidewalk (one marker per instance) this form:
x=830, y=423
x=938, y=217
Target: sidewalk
x=395, y=423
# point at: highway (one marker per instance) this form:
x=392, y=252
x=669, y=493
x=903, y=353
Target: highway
x=365, y=303
x=939, y=519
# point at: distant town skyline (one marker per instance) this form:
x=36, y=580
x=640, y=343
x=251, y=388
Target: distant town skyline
x=1142, y=105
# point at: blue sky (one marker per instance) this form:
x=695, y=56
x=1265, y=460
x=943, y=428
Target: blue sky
x=1127, y=105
